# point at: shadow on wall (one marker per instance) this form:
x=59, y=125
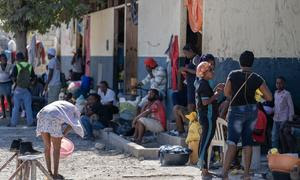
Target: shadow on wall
x=269, y=69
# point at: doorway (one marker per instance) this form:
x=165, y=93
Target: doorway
x=119, y=59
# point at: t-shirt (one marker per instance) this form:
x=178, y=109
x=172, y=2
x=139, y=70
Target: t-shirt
x=5, y=73
x=247, y=93
x=158, y=112
x=203, y=92
x=110, y=96
x=55, y=65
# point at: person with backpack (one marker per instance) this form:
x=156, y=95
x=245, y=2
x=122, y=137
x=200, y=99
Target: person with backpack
x=53, y=83
x=22, y=75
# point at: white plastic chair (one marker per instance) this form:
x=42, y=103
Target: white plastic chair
x=218, y=139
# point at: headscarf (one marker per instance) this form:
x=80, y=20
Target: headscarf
x=203, y=68
x=150, y=62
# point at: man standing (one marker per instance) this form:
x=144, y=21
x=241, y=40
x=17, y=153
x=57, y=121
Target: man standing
x=22, y=74
x=156, y=77
x=53, y=83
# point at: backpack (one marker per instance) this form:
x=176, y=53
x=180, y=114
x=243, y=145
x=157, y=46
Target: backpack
x=259, y=132
x=24, y=74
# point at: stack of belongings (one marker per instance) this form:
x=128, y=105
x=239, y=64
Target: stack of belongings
x=127, y=112
x=173, y=155
x=284, y=166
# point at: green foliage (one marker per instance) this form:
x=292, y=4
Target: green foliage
x=39, y=15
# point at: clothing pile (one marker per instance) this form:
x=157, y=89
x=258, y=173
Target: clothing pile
x=174, y=149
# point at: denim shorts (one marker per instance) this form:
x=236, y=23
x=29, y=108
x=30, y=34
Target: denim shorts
x=241, y=123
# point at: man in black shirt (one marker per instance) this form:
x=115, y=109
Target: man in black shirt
x=95, y=116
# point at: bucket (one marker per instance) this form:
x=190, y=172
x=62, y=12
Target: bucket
x=66, y=149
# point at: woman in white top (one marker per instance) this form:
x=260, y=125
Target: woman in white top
x=5, y=83
x=50, y=121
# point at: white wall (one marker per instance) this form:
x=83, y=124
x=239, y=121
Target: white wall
x=271, y=28
x=158, y=20
x=102, y=29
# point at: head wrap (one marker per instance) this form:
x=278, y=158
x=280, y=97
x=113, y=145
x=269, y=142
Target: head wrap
x=202, y=68
x=150, y=62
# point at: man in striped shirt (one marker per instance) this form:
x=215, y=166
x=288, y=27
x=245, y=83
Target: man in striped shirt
x=156, y=77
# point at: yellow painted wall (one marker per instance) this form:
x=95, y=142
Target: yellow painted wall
x=270, y=28
x=158, y=20
x=102, y=30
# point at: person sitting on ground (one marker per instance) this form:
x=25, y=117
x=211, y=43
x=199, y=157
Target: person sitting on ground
x=38, y=101
x=151, y=118
x=156, y=77
x=22, y=74
x=108, y=96
x=180, y=111
x=50, y=121
x=283, y=110
x=5, y=84
x=95, y=116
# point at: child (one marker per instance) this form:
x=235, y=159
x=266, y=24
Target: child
x=283, y=110
x=193, y=137
x=207, y=110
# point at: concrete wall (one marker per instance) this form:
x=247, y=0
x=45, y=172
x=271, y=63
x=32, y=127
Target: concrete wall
x=269, y=28
x=102, y=45
x=158, y=20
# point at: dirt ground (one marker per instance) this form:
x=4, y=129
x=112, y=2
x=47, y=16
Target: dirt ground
x=89, y=162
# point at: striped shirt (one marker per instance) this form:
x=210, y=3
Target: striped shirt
x=159, y=81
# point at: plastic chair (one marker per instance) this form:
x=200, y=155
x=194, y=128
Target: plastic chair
x=218, y=139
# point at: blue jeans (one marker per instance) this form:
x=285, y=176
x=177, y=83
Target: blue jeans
x=89, y=127
x=275, y=133
x=241, y=123
x=21, y=95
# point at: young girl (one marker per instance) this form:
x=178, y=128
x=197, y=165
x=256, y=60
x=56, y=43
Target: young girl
x=50, y=121
x=206, y=102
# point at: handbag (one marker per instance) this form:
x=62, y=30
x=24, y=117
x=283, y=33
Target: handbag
x=224, y=106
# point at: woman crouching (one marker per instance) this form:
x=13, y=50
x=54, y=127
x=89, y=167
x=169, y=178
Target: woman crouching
x=50, y=121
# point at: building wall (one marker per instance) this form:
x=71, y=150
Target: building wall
x=102, y=45
x=269, y=28
x=158, y=20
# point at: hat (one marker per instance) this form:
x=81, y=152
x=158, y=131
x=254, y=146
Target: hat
x=51, y=51
x=150, y=62
x=202, y=68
